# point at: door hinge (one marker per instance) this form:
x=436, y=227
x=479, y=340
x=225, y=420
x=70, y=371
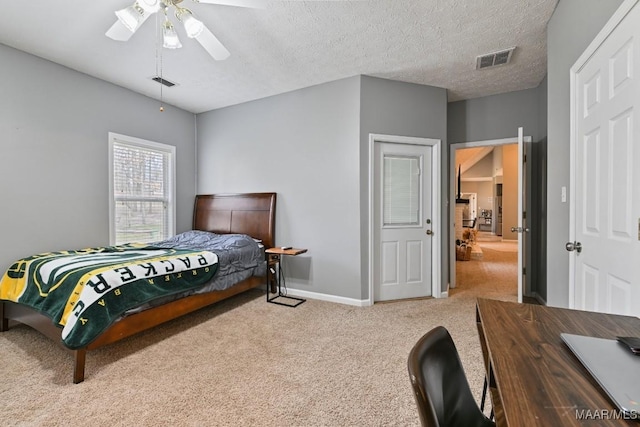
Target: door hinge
x=524, y=271
x=524, y=214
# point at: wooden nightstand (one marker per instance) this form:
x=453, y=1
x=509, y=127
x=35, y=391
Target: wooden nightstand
x=276, y=274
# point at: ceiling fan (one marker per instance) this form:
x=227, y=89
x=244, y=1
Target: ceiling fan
x=132, y=17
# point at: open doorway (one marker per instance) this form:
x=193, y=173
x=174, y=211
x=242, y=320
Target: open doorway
x=486, y=198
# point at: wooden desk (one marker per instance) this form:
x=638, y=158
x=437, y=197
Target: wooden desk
x=535, y=379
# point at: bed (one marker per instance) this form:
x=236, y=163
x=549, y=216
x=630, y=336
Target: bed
x=250, y=214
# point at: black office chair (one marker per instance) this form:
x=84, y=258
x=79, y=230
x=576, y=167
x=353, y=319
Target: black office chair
x=440, y=386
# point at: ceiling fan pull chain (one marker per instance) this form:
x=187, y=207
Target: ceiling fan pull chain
x=162, y=80
x=158, y=34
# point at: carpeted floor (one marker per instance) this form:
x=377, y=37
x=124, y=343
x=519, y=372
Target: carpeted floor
x=244, y=362
x=493, y=276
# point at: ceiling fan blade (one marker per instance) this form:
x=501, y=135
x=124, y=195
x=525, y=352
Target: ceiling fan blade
x=255, y=4
x=212, y=45
x=119, y=32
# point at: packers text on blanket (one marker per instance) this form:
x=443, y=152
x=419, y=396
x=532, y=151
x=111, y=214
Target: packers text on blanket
x=85, y=291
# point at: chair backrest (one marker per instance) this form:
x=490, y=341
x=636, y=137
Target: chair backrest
x=469, y=223
x=440, y=386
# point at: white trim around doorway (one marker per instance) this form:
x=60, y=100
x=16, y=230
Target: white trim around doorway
x=436, y=200
x=452, y=188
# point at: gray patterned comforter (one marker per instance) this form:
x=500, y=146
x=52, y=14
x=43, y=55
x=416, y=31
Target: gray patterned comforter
x=236, y=252
x=239, y=257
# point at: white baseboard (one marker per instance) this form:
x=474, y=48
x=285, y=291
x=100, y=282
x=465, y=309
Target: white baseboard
x=326, y=297
x=539, y=298
x=337, y=299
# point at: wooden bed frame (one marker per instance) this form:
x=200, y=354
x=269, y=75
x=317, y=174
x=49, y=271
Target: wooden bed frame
x=250, y=213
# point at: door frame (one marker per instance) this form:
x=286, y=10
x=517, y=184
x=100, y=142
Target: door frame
x=452, y=193
x=436, y=161
x=595, y=44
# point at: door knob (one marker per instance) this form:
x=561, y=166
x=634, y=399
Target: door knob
x=519, y=230
x=573, y=246
x=430, y=233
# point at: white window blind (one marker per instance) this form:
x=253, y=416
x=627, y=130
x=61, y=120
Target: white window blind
x=142, y=190
x=401, y=190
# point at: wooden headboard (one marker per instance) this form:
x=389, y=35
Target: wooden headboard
x=253, y=214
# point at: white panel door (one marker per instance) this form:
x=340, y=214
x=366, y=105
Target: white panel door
x=605, y=249
x=403, y=221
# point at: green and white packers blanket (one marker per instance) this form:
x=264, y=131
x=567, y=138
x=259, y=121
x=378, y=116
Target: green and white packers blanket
x=85, y=291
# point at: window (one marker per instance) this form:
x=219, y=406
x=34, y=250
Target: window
x=401, y=190
x=142, y=190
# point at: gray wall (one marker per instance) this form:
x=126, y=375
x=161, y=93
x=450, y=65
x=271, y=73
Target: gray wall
x=542, y=90
x=304, y=146
x=311, y=147
x=538, y=218
x=494, y=117
x=482, y=169
x=484, y=192
x=401, y=109
x=498, y=117
x=572, y=27
x=54, y=125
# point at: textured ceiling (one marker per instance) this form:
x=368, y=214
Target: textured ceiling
x=294, y=44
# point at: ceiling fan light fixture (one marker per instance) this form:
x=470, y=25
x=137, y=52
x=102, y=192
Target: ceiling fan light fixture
x=131, y=16
x=192, y=26
x=170, y=36
x=149, y=6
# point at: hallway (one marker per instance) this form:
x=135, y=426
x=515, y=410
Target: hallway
x=492, y=276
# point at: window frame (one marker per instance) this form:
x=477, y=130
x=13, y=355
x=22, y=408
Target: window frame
x=418, y=192
x=170, y=179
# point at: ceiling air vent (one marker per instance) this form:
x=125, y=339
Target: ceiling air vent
x=162, y=81
x=494, y=59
